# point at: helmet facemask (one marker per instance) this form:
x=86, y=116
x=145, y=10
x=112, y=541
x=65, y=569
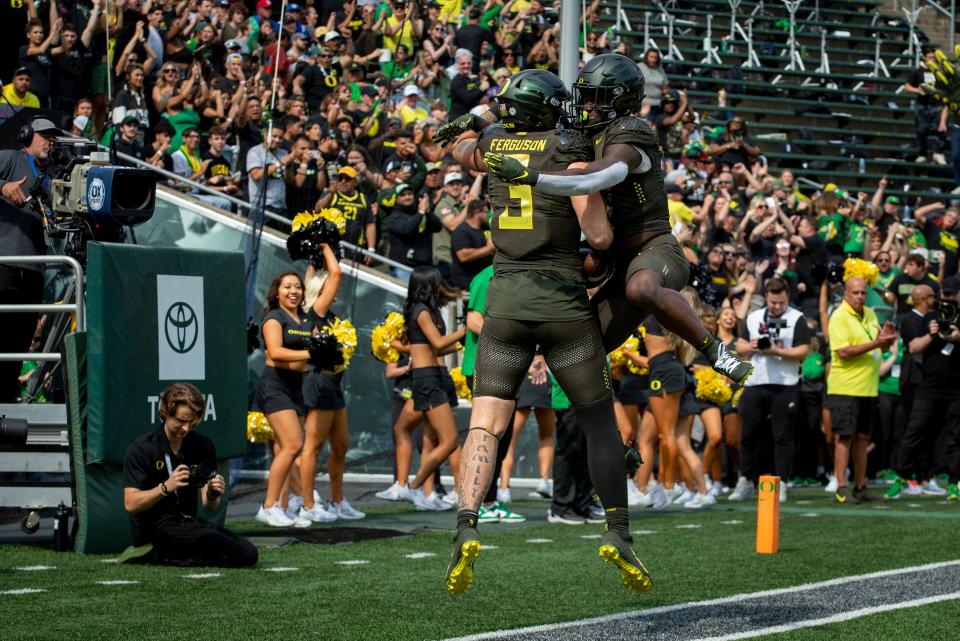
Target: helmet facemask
x=587, y=97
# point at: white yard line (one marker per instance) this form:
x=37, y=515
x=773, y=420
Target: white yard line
x=836, y=618
x=734, y=599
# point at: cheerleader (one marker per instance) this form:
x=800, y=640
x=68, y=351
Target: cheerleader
x=327, y=410
x=434, y=393
x=727, y=333
x=630, y=399
x=279, y=394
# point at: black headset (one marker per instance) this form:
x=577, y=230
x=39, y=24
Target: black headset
x=25, y=134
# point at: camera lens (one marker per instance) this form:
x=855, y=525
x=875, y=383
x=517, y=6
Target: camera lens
x=13, y=431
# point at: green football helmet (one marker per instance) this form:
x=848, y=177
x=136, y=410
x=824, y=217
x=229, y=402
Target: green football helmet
x=612, y=84
x=532, y=100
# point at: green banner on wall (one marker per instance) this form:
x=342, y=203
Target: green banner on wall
x=156, y=316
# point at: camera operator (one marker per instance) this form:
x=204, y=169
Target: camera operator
x=164, y=473
x=21, y=234
x=931, y=339
x=777, y=341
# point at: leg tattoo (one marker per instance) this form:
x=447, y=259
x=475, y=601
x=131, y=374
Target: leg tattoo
x=477, y=463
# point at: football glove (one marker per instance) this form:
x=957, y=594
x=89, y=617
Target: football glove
x=452, y=130
x=509, y=169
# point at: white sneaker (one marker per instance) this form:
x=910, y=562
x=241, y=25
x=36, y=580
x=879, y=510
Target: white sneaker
x=438, y=503
x=832, y=484
x=709, y=482
x=294, y=503
x=451, y=499
x=317, y=514
x=274, y=516
x=658, y=497
x=931, y=488
x=633, y=494
x=940, y=159
x=345, y=511
x=421, y=502
x=684, y=498
x=913, y=489
x=700, y=501
x=783, y=492
x=503, y=495
x=644, y=499
x=715, y=490
x=675, y=492
x=921, y=159
x=743, y=491
x=405, y=493
x=545, y=488
x=392, y=493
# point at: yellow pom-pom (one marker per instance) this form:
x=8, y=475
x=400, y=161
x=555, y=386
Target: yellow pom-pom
x=859, y=268
x=258, y=428
x=303, y=219
x=383, y=335
x=617, y=357
x=712, y=386
x=336, y=217
x=460, y=383
x=346, y=335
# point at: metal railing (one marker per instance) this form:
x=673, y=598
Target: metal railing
x=61, y=308
x=247, y=206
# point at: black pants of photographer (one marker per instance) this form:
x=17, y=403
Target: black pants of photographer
x=929, y=416
x=17, y=287
x=192, y=542
x=766, y=409
x=572, y=488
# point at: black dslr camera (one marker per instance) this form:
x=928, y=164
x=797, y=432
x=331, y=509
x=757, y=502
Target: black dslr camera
x=200, y=475
x=948, y=315
x=770, y=330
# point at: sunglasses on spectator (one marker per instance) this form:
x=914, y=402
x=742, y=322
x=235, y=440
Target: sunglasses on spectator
x=724, y=182
x=760, y=206
x=171, y=70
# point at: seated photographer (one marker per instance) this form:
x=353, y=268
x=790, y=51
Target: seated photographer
x=164, y=473
x=21, y=234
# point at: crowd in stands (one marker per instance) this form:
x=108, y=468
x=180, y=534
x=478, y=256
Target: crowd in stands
x=362, y=87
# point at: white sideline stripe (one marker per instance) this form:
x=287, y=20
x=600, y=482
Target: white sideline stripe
x=689, y=526
x=710, y=602
x=280, y=569
x=118, y=582
x=202, y=575
x=420, y=555
x=353, y=562
x=539, y=540
x=733, y=522
x=21, y=591
x=36, y=568
x=115, y=560
x=591, y=536
x=836, y=618
x=644, y=532
x=488, y=547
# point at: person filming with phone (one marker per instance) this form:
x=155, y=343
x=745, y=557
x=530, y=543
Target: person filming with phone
x=167, y=473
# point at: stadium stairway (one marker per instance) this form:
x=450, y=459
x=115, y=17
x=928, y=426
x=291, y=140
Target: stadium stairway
x=850, y=126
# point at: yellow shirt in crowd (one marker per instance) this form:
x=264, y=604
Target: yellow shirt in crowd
x=29, y=100
x=860, y=375
x=412, y=114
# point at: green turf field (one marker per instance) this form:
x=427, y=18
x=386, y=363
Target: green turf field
x=692, y=555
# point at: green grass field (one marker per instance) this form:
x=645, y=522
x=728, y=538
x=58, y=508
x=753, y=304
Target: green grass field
x=692, y=555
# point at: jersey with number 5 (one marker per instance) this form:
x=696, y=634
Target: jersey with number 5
x=536, y=271
x=532, y=229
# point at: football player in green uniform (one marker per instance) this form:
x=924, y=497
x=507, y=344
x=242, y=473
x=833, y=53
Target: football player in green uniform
x=650, y=267
x=538, y=297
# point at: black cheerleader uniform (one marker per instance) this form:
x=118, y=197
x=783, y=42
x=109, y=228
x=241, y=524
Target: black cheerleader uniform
x=431, y=386
x=323, y=391
x=282, y=389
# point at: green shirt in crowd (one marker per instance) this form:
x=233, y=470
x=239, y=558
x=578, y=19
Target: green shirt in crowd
x=558, y=400
x=813, y=367
x=890, y=383
x=476, y=303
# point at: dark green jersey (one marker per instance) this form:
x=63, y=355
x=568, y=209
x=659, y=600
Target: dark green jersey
x=639, y=203
x=537, y=266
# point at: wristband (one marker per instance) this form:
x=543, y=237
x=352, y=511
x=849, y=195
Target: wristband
x=163, y=489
